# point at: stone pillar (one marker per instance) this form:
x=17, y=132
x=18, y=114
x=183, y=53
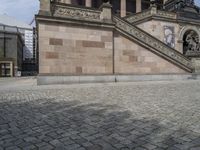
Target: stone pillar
x=138, y=6
x=123, y=8
x=153, y=7
x=106, y=12
x=45, y=6
x=66, y=1
x=88, y=3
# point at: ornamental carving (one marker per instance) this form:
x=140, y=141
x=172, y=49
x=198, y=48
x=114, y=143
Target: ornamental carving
x=169, y=36
x=191, y=43
x=151, y=41
x=76, y=13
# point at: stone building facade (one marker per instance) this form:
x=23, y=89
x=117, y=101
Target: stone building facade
x=11, y=46
x=86, y=37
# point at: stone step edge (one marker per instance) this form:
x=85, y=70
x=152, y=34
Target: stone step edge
x=48, y=80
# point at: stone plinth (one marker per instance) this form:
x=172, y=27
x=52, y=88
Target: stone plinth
x=196, y=64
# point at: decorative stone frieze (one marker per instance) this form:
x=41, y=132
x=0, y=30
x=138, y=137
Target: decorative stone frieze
x=76, y=13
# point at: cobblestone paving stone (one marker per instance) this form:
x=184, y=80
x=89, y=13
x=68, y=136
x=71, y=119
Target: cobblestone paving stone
x=122, y=116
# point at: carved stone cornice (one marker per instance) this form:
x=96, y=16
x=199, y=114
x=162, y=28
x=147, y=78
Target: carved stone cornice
x=149, y=41
x=76, y=13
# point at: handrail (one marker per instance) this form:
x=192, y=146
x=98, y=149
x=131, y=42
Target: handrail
x=149, y=13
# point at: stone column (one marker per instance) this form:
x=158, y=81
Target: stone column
x=138, y=6
x=67, y=1
x=88, y=3
x=123, y=8
x=45, y=7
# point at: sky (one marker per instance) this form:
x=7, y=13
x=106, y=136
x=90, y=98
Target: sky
x=25, y=10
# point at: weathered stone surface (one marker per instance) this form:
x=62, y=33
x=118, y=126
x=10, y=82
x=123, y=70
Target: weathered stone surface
x=74, y=50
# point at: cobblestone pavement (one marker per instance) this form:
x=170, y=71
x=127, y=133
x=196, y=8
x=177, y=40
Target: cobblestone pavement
x=139, y=116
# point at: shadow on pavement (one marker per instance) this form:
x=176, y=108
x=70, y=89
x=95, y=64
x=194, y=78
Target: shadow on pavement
x=47, y=124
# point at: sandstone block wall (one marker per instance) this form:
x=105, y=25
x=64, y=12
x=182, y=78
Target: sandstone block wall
x=73, y=50
x=130, y=58
x=76, y=50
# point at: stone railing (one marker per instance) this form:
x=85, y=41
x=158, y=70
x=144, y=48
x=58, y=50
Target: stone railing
x=139, y=16
x=165, y=14
x=78, y=13
x=149, y=13
x=149, y=41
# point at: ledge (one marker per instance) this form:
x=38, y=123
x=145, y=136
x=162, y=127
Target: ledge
x=49, y=80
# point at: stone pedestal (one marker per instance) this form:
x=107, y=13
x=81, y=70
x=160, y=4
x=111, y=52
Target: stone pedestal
x=196, y=64
x=106, y=12
x=45, y=6
x=153, y=9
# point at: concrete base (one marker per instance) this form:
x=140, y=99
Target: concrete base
x=46, y=80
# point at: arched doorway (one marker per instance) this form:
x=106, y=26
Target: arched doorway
x=191, y=43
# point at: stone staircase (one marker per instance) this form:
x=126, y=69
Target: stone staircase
x=156, y=46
